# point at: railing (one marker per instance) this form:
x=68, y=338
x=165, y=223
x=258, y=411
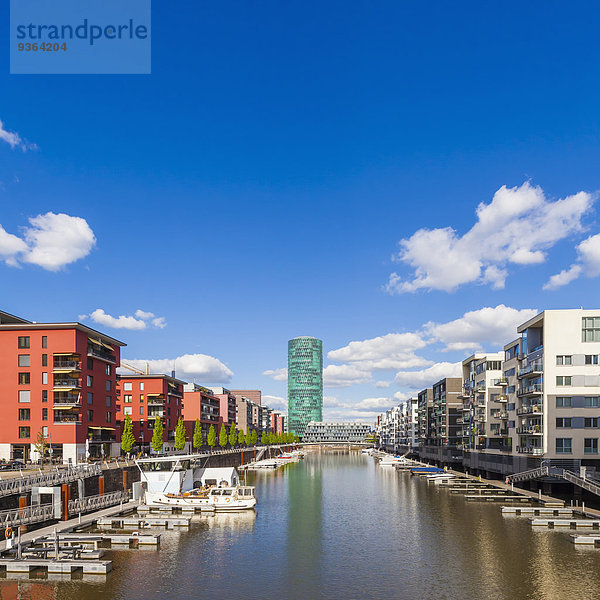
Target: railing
x=536, y=388
x=534, y=367
x=535, y=429
x=102, y=355
x=502, y=381
x=68, y=383
x=526, y=410
x=582, y=482
x=66, y=364
x=29, y=514
x=503, y=416
x=531, y=474
x=74, y=419
x=92, y=503
x=19, y=485
x=530, y=450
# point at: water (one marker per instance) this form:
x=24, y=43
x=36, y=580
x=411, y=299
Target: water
x=337, y=526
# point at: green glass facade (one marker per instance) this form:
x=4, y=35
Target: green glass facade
x=305, y=383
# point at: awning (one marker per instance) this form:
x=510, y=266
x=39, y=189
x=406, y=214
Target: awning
x=154, y=395
x=64, y=388
x=60, y=407
x=107, y=346
x=105, y=428
x=95, y=341
x=65, y=354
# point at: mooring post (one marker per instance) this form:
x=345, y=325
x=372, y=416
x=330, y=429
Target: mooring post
x=22, y=504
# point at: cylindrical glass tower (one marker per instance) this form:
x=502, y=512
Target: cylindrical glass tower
x=305, y=383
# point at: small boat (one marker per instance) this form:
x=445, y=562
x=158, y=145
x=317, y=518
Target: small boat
x=425, y=470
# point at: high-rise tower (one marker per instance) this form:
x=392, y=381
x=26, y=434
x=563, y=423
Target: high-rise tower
x=305, y=383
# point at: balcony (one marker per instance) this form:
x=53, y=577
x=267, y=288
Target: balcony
x=530, y=450
x=529, y=430
x=64, y=399
x=529, y=410
x=535, y=368
x=102, y=354
x=66, y=384
x=68, y=419
x=175, y=392
x=155, y=399
x=530, y=390
x=502, y=382
x=65, y=365
x=503, y=416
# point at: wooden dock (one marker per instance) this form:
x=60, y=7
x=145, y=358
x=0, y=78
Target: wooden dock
x=569, y=523
x=27, y=565
x=498, y=498
x=585, y=540
x=537, y=511
x=142, y=522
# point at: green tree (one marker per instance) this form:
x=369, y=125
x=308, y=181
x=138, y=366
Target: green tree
x=157, y=436
x=127, y=437
x=41, y=445
x=223, y=437
x=211, y=439
x=232, y=436
x=197, y=440
x=241, y=438
x=264, y=438
x=254, y=438
x=180, y=435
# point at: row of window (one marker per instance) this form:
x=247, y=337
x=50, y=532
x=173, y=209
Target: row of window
x=567, y=359
x=25, y=397
x=590, y=329
x=566, y=422
x=24, y=341
x=24, y=360
x=565, y=445
x=567, y=401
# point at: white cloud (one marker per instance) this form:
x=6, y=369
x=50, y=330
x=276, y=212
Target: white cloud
x=588, y=264
x=516, y=227
x=388, y=352
x=275, y=402
x=159, y=322
x=427, y=377
x=125, y=321
x=276, y=374
x=363, y=410
x=344, y=376
x=121, y=322
x=14, y=140
x=142, y=314
x=51, y=241
x=383, y=384
x=188, y=366
x=488, y=325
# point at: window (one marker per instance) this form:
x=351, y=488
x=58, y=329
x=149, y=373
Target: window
x=563, y=401
x=107, y=386
x=44, y=378
x=44, y=341
x=24, y=360
x=141, y=423
x=45, y=431
x=591, y=359
x=564, y=445
x=90, y=398
x=590, y=329
x=127, y=410
x=141, y=386
x=127, y=398
x=24, y=432
x=44, y=414
x=24, y=378
x=590, y=446
x=24, y=396
x=90, y=380
x=23, y=342
x=564, y=359
x=127, y=386
x=44, y=395
x=591, y=422
x=141, y=397
x=592, y=401
x=90, y=415
x=561, y=380
x=141, y=410
x=90, y=364
x=563, y=422
x=107, y=370
x=108, y=400
x=44, y=360
x=108, y=417
x=24, y=414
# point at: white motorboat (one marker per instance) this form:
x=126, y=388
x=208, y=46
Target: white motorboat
x=391, y=461
x=176, y=481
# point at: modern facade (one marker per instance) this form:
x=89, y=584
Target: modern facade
x=332, y=433
x=227, y=404
x=57, y=379
x=200, y=403
x=537, y=401
x=146, y=397
x=254, y=395
x=305, y=383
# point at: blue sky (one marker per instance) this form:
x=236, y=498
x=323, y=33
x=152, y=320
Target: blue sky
x=258, y=184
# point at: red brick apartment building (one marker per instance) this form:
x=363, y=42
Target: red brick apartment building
x=60, y=379
x=200, y=403
x=277, y=422
x=145, y=397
